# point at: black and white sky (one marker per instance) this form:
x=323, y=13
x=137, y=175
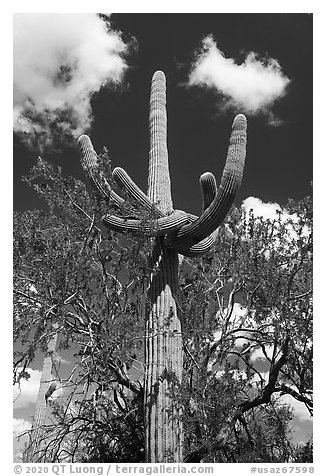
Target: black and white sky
x=76, y=73
x=81, y=73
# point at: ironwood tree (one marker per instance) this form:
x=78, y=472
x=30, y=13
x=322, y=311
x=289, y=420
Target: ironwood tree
x=232, y=403
x=249, y=293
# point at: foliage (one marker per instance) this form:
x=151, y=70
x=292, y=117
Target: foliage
x=303, y=453
x=249, y=296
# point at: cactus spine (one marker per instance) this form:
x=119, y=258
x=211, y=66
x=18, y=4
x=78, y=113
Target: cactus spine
x=173, y=232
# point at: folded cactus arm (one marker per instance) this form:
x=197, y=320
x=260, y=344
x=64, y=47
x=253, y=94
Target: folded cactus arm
x=126, y=183
x=155, y=227
x=90, y=164
x=215, y=213
x=208, y=187
x=209, y=190
x=199, y=248
x=195, y=250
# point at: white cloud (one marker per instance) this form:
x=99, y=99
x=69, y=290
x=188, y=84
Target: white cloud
x=20, y=426
x=300, y=409
x=26, y=393
x=267, y=210
x=252, y=86
x=258, y=354
x=256, y=378
x=57, y=394
x=60, y=61
x=61, y=360
x=273, y=211
x=238, y=312
x=72, y=409
x=217, y=335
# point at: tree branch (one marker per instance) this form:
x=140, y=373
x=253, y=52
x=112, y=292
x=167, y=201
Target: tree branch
x=264, y=397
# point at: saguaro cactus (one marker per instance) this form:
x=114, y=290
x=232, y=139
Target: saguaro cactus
x=40, y=410
x=174, y=232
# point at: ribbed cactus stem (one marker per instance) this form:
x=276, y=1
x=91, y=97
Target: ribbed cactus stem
x=204, y=245
x=214, y=215
x=163, y=339
x=199, y=248
x=208, y=188
x=91, y=166
x=163, y=360
x=158, y=227
x=159, y=184
x=126, y=183
x=209, y=191
x=40, y=409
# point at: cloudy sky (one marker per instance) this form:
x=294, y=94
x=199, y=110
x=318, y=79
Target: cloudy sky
x=80, y=73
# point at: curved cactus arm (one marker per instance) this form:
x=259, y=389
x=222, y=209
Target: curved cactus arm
x=214, y=215
x=209, y=191
x=208, y=187
x=199, y=248
x=126, y=183
x=89, y=161
x=158, y=227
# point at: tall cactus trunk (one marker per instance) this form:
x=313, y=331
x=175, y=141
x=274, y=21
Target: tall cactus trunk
x=174, y=232
x=163, y=339
x=40, y=409
x=163, y=360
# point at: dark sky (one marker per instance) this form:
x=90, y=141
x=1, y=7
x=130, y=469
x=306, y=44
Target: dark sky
x=279, y=159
